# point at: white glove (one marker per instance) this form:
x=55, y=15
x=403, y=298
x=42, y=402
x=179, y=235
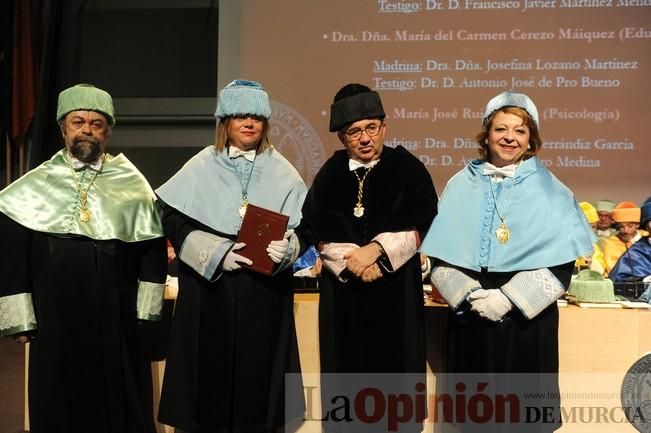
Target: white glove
x=490, y=304
x=276, y=249
x=232, y=260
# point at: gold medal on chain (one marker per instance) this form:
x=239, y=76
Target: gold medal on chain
x=503, y=234
x=84, y=213
x=244, y=185
x=242, y=209
x=358, y=210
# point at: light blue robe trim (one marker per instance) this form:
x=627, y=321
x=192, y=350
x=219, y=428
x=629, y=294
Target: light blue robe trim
x=453, y=285
x=547, y=225
x=208, y=189
x=533, y=291
x=203, y=252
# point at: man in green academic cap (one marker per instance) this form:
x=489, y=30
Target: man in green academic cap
x=605, y=226
x=84, y=259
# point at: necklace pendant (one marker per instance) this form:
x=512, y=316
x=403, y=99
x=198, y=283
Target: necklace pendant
x=358, y=211
x=503, y=234
x=242, y=210
x=84, y=215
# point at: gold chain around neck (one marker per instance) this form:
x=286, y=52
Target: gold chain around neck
x=503, y=234
x=84, y=212
x=358, y=210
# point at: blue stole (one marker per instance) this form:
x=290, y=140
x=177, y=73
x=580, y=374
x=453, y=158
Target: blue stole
x=546, y=223
x=208, y=189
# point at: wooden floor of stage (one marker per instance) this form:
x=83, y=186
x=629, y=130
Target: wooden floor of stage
x=12, y=394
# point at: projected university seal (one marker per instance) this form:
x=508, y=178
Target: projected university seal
x=636, y=394
x=296, y=139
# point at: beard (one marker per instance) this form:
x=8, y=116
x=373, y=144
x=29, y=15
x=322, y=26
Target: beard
x=86, y=149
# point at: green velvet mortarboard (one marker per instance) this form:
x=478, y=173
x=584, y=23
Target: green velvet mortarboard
x=85, y=97
x=591, y=286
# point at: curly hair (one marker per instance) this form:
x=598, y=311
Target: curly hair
x=535, y=142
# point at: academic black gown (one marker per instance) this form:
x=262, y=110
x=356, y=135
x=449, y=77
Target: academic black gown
x=516, y=353
x=373, y=327
x=86, y=370
x=233, y=340
x=634, y=264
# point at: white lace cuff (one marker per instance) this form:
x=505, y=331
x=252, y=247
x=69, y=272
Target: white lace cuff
x=453, y=285
x=332, y=256
x=203, y=252
x=398, y=246
x=150, y=301
x=533, y=291
x=17, y=314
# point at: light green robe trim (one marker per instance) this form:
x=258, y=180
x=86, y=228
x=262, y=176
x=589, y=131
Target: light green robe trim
x=16, y=314
x=121, y=202
x=150, y=301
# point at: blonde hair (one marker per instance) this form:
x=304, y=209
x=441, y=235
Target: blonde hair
x=535, y=142
x=221, y=135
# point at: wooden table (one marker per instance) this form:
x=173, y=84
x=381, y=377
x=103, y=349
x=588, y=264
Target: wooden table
x=597, y=347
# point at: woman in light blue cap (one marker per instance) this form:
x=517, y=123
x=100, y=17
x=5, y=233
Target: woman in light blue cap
x=501, y=263
x=233, y=336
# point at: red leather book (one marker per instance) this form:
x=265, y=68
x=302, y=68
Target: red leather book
x=259, y=227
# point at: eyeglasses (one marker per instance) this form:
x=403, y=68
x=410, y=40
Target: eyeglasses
x=371, y=130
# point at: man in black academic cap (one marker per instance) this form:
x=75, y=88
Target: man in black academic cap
x=367, y=210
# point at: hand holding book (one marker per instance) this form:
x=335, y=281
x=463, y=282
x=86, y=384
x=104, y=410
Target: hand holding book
x=260, y=227
x=277, y=249
x=234, y=261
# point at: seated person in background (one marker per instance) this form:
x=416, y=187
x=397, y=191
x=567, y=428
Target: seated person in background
x=635, y=263
x=604, y=226
x=627, y=216
x=595, y=260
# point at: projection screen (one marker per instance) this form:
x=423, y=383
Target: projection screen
x=585, y=63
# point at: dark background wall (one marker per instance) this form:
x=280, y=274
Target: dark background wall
x=158, y=59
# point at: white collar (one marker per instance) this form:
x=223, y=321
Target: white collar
x=236, y=152
x=353, y=164
x=506, y=171
x=79, y=165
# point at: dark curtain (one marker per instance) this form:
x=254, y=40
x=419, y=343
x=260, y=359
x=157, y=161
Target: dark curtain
x=85, y=41
x=39, y=52
x=23, y=89
x=58, y=29
x=6, y=30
